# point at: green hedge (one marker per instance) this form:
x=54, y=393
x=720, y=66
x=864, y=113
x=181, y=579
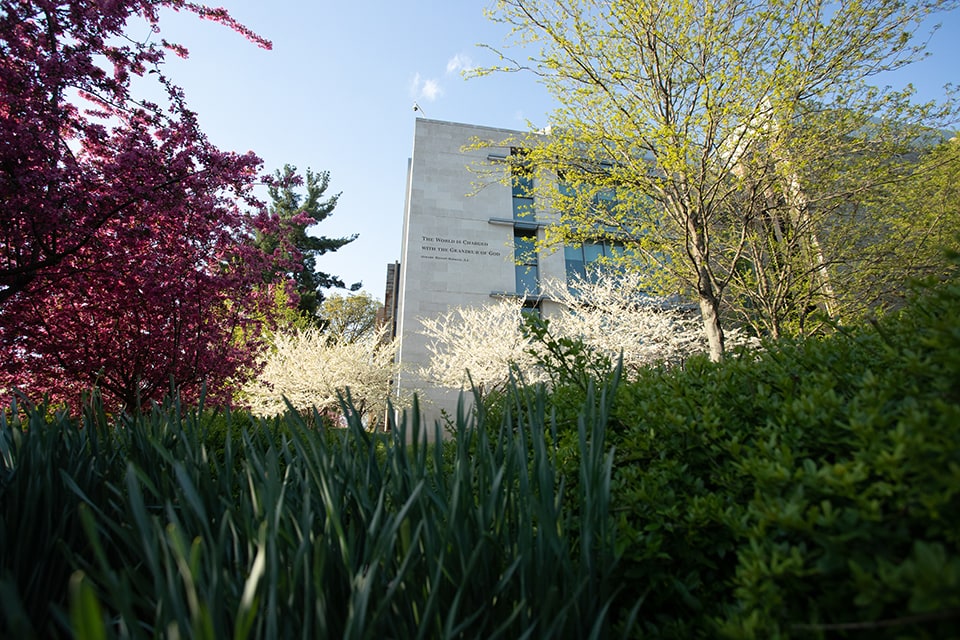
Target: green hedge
x=809, y=490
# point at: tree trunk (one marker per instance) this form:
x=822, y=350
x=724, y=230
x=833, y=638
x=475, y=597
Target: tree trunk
x=711, y=324
x=708, y=293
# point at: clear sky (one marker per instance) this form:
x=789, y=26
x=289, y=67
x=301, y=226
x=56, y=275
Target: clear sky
x=336, y=93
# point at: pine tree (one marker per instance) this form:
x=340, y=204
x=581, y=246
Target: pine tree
x=298, y=212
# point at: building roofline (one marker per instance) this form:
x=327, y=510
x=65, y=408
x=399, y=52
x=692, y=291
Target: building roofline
x=472, y=126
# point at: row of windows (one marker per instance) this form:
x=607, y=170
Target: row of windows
x=582, y=260
x=521, y=178
x=524, y=239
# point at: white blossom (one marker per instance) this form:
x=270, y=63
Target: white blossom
x=483, y=340
x=610, y=315
x=310, y=369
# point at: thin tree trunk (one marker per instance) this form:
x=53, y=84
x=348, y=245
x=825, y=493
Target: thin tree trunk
x=711, y=325
x=707, y=292
x=709, y=308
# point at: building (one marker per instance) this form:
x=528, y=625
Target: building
x=464, y=243
x=387, y=316
x=472, y=222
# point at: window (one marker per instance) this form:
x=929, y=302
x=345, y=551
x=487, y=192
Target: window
x=521, y=179
x=525, y=257
x=585, y=260
x=565, y=188
x=573, y=254
x=606, y=200
x=532, y=308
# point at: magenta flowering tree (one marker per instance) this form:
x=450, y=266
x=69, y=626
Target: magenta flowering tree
x=126, y=253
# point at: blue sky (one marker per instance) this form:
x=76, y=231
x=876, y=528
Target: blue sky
x=337, y=90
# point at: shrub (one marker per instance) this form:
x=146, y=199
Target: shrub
x=309, y=369
x=810, y=490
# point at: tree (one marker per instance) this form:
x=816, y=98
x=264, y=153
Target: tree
x=918, y=222
x=52, y=52
x=296, y=213
x=126, y=253
x=478, y=346
x=311, y=370
x=612, y=317
x=843, y=237
x=717, y=138
x=606, y=314
x=350, y=318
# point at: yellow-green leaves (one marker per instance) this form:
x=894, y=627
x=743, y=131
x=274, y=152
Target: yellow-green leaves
x=750, y=128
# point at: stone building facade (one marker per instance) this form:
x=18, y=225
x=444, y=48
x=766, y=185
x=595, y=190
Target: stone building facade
x=469, y=233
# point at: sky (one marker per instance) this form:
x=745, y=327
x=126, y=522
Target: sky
x=336, y=93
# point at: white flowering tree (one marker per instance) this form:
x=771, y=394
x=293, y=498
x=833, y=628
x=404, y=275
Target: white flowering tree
x=310, y=369
x=484, y=341
x=606, y=314
x=609, y=315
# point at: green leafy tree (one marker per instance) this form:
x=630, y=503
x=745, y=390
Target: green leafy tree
x=350, y=318
x=724, y=142
x=917, y=225
x=298, y=212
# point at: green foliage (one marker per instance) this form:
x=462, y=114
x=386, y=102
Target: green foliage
x=38, y=514
x=566, y=360
x=734, y=149
x=181, y=523
x=349, y=318
x=808, y=490
x=907, y=223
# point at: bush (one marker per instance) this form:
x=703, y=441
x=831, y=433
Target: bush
x=811, y=490
x=808, y=490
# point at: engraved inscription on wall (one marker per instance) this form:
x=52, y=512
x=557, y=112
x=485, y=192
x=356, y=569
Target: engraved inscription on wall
x=455, y=249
